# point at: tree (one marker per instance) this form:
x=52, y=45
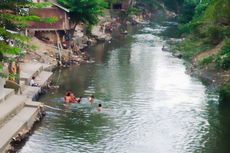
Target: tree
x=174, y=5
x=14, y=16
x=85, y=11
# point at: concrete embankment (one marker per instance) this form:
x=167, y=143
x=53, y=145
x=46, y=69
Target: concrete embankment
x=18, y=112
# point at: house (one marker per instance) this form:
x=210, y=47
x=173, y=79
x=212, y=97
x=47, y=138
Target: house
x=57, y=11
x=49, y=31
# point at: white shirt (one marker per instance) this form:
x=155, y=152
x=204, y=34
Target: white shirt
x=32, y=82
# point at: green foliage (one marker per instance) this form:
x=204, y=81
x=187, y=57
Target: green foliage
x=192, y=46
x=5, y=48
x=223, y=58
x=40, y=5
x=14, y=17
x=13, y=4
x=89, y=29
x=200, y=8
x=125, y=15
x=111, y=2
x=211, y=23
x=218, y=12
x=191, y=27
x=224, y=93
x=213, y=33
x=191, y=18
x=188, y=11
x=52, y=19
x=206, y=60
x=11, y=20
x=86, y=11
x=133, y=11
x=174, y=5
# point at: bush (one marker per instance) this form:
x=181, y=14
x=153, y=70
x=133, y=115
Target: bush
x=206, y=60
x=223, y=58
x=224, y=93
x=187, y=12
x=214, y=33
x=89, y=29
x=226, y=48
x=190, y=47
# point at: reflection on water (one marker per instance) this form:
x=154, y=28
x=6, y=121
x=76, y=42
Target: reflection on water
x=150, y=104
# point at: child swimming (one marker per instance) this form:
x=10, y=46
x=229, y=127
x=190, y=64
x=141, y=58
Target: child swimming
x=91, y=99
x=99, y=108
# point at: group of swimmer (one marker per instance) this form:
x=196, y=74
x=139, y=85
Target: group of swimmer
x=70, y=98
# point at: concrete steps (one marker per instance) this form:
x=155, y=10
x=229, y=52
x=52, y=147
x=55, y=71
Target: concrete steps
x=5, y=93
x=10, y=107
x=24, y=120
x=28, y=70
x=17, y=116
x=30, y=103
x=42, y=78
x=31, y=92
x=18, y=112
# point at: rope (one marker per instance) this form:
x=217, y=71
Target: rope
x=53, y=108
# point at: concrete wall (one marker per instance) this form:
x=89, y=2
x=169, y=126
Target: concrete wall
x=2, y=83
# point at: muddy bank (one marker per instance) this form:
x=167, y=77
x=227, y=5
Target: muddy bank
x=75, y=51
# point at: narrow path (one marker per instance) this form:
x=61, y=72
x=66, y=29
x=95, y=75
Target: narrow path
x=208, y=53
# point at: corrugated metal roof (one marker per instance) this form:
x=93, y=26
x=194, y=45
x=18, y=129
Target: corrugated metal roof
x=61, y=7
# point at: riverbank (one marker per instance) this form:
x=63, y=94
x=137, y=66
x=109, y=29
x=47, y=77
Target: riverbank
x=76, y=51
x=206, y=41
x=204, y=65
x=206, y=61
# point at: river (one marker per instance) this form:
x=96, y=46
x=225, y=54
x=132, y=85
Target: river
x=150, y=104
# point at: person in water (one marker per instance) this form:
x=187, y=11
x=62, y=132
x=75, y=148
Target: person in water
x=69, y=97
x=99, y=108
x=91, y=99
x=79, y=99
x=73, y=98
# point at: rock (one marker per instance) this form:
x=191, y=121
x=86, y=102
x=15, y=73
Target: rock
x=178, y=55
x=165, y=49
x=45, y=52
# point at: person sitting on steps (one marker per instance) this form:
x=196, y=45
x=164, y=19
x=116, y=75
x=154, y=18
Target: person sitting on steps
x=33, y=83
